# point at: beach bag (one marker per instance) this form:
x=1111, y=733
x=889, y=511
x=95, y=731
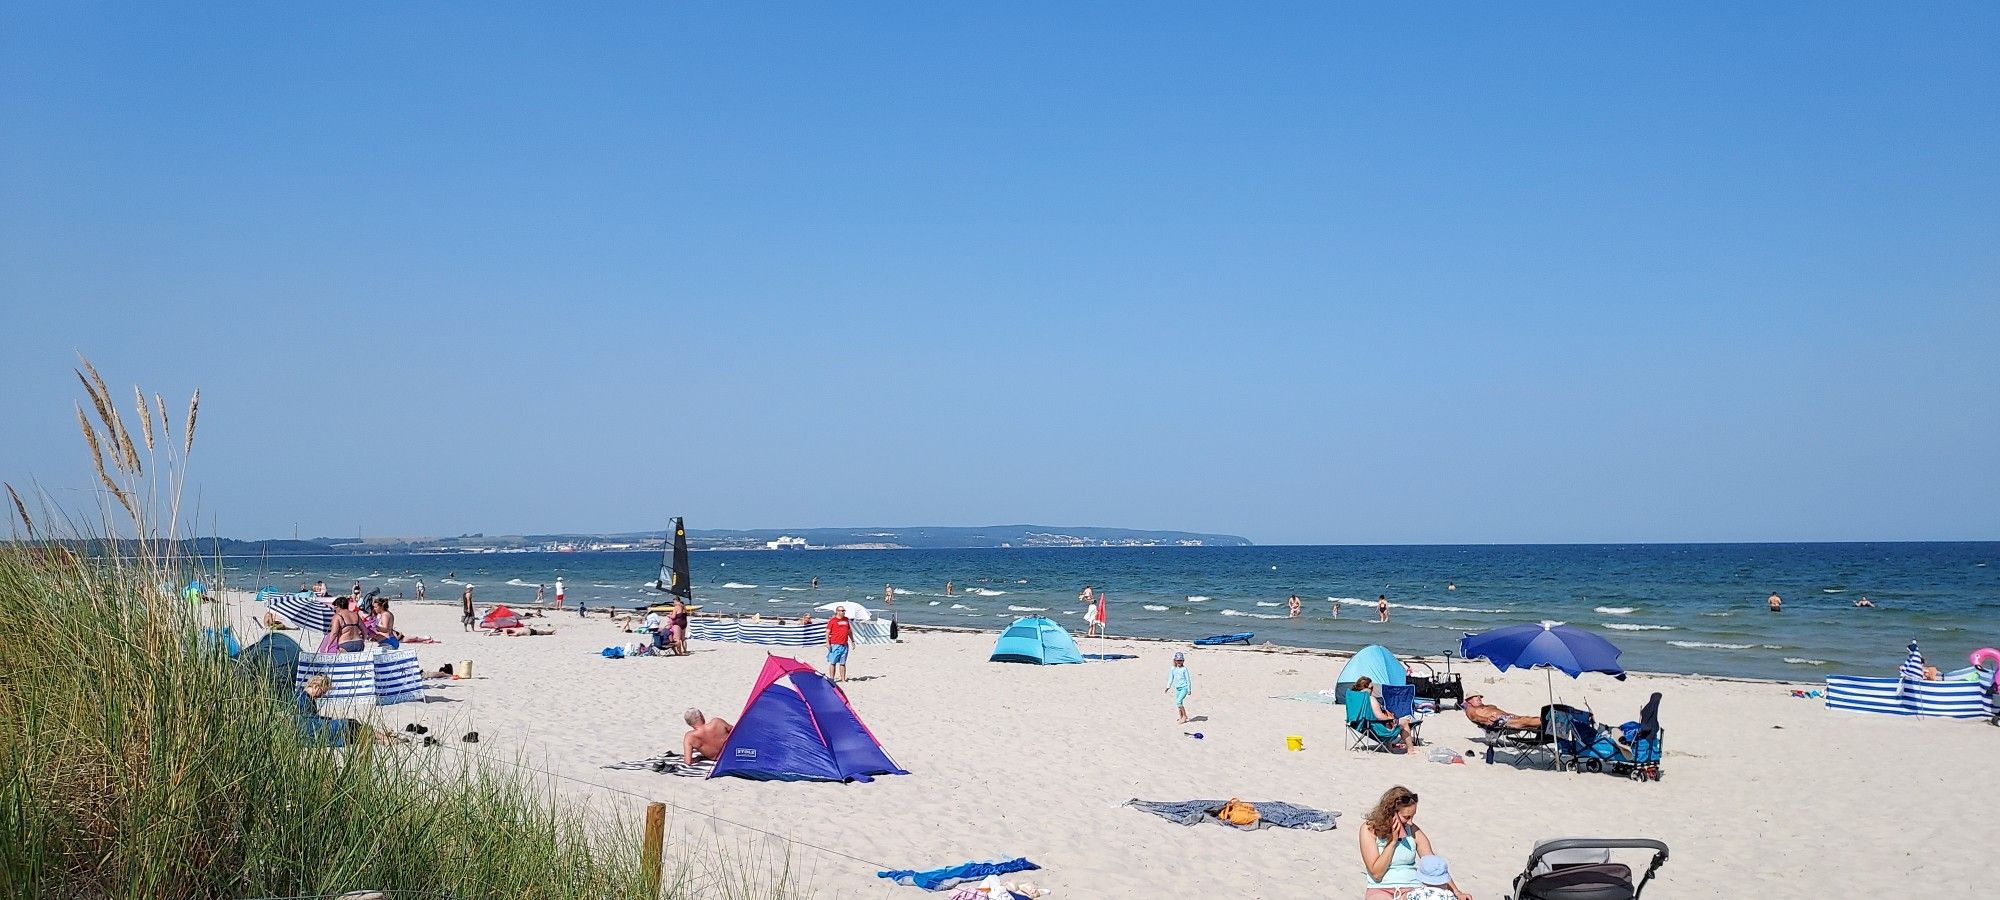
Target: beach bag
x=614, y=652
x=1238, y=813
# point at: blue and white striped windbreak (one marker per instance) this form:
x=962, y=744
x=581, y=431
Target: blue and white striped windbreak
x=1913, y=666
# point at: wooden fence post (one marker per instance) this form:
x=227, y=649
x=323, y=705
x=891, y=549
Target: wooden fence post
x=656, y=838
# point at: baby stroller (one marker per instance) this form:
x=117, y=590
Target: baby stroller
x=1581, y=869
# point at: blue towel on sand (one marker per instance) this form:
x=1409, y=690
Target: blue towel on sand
x=952, y=876
x=1108, y=656
x=1270, y=813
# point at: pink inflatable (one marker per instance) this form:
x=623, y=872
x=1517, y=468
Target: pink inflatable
x=1986, y=658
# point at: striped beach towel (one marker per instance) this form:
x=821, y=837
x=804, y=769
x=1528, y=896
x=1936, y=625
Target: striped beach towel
x=668, y=763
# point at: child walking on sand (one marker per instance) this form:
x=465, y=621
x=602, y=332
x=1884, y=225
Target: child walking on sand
x=1177, y=682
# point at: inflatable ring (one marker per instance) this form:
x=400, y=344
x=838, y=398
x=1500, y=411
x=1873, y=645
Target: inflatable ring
x=1989, y=654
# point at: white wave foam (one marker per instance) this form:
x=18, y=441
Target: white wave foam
x=781, y=600
x=1833, y=590
x=1614, y=610
x=1718, y=614
x=1235, y=612
x=794, y=589
x=960, y=606
x=936, y=602
x=738, y=585
x=449, y=581
x=1199, y=599
x=983, y=592
x=1620, y=626
x=519, y=583
x=1698, y=645
x=1262, y=603
x=1027, y=609
x=1154, y=607
x=1803, y=661
x=902, y=591
x=1356, y=601
x=601, y=584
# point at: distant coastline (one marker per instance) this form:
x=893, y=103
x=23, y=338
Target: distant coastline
x=774, y=540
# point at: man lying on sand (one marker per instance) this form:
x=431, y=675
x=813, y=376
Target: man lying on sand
x=525, y=630
x=704, y=738
x=1486, y=715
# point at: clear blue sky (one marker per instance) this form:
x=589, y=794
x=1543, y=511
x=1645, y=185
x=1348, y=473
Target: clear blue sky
x=1305, y=274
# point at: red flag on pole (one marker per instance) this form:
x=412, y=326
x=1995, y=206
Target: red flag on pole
x=1100, y=609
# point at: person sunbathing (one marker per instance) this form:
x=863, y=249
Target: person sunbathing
x=1486, y=715
x=704, y=738
x=525, y=630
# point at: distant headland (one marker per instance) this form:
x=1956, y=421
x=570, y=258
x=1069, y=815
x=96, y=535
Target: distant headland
x=780, y=540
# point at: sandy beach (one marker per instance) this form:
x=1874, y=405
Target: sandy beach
x=1765, y=795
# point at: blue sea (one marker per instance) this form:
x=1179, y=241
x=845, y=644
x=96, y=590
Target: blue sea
x=1684, y=608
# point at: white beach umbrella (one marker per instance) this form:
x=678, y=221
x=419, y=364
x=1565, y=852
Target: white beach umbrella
x=855, y=611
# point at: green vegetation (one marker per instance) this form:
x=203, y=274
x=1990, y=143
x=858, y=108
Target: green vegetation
x=137, y=760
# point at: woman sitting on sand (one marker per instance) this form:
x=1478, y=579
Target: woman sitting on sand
x=1391, y=842
x=346, y=628
x=380, y=626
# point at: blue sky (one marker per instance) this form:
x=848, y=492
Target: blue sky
x=1307, y=274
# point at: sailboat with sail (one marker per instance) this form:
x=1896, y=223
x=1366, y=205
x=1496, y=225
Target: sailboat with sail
x=674, y=566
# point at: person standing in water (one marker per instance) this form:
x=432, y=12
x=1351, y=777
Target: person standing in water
x=815, y=581
x=1179, y=685
x=1381, y=607
x=1776, y=603
x=559, y=592
x=465, y=609
x=947, y=587
x=1294, y=604
x=420, y=590
x=1335, y=603
x=1451, y=585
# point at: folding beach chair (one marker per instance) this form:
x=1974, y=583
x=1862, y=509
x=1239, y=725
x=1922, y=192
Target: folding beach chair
x=1365, y=731
x=1401, y=701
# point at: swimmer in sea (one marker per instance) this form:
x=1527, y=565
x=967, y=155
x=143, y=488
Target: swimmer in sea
x=1775, y=603
x=1864, y=603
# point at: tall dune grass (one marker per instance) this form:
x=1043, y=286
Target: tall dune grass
x=137, y=760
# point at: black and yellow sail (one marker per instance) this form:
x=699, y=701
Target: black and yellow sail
x=674, y=565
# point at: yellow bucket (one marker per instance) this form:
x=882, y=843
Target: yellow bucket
x=1294, y=742
x=462, y=670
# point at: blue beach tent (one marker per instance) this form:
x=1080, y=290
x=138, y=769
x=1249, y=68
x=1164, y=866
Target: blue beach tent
x=1374, y=661
x=799, y=727
x=1033, y=639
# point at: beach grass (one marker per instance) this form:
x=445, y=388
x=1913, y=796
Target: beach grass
x=138, y=760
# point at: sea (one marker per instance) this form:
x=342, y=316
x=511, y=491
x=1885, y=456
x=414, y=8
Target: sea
x=1680, y=608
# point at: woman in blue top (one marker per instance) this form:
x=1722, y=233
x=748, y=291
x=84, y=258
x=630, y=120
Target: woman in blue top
x=1390, y=845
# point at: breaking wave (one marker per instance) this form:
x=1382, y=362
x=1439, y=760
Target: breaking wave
x=1620, y=626
x=1154, y=607
x=1710, y=645
x=1614, y=610
x=738, y=585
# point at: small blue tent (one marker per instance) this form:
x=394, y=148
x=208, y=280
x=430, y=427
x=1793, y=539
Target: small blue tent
x=802, y=731
x=1036, y=640
x=275, y=656
x=1376, y=662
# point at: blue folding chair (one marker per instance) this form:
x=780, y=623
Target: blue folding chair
x=1366, y=731
x=1401, y=701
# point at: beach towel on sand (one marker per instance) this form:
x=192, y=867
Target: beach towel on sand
x=668, y=763
x=951, y=876
x=1270, y=813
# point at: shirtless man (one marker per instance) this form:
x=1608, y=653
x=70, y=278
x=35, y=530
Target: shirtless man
x=704, y=738
x=1776, y=603
x=1486, y=715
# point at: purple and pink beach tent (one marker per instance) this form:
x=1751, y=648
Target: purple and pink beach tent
x=798, y=726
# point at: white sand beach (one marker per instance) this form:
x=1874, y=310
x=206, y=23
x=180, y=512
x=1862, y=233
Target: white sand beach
x=1765, y=795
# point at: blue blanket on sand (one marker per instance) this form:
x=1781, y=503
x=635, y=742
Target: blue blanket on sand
x=1270, y=813
x=951, y=876
x=1105, y=657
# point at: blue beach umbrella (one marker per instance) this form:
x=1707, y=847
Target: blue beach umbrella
x=1572, y=651
x=1546, y=646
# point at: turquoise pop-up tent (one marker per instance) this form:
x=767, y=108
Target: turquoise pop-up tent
x=1376, y=662
x=1036, y=640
